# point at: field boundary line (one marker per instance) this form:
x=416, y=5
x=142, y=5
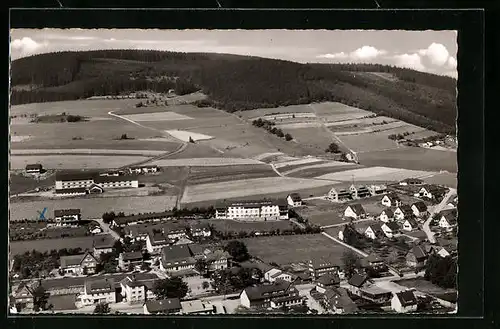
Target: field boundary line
x=345, y=244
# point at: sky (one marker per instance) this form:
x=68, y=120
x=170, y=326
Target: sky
x=427, y=51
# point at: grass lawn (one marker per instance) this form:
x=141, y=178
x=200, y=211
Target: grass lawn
x=237, y=226
x=294, y=248
x=20, y=183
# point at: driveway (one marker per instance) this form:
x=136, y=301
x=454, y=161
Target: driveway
x=106, y=229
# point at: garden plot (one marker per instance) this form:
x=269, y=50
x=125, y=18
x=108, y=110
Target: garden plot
x=20, y=247
x=248, y=187
x=197, y=162
x=313, y=124
x=74, y=161
x=157, y=116
x=92, y=207
x=288, y=116
x=376, y=174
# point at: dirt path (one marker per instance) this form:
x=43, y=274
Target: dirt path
x=436, y=210
x=345, y=244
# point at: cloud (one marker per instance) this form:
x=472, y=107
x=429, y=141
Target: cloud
x=340, y=55
x=364, y=53
x=26, y=46
x=412, y=61
x=452, y=62
x=436, y=53
x=367, y=53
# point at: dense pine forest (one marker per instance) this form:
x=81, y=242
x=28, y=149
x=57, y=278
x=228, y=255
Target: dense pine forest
x=235, y=83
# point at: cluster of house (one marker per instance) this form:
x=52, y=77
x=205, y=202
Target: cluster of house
x=355, y=192
x=254, y=210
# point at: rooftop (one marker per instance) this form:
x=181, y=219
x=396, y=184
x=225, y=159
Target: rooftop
x=66, y=212
x=175, y=253
x=195, y=306
x=277, y=289
x=104, y=242
x=393, y=226
x=164, y=305
x=33, y=166
x=420, y=206
x=95, y=286
x=71, y=190
x=329, y=279
x=253, y=203
x=74, y=260
x=141, y=217
x=133, y=255
x=407, y=297
x=295, y=197
x=357, y=280
x=357, y=208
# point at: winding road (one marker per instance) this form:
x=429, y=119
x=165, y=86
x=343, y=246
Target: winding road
x=437, y=209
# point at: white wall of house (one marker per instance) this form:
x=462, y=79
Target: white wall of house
x=370, y=234
x=407, y=226
x=384, y=218
x=398, y=307
x=398, y=214
x=133, y=294
x=387, y=231
x=443, y=223
x=350, y=213
x=244, y=300
x=108, y=297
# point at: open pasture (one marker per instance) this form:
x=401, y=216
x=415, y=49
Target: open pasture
x=415, y=158
x=255, y=226
x=197, y=151
x=187, y=136
x=316, y=170
x=248, y=187
x=386, y=174
x=326, y=109
x=395, y=125
x=422, y=134
x=361, y=122
x=202, y=175
x=92, y=207
x=20, y=247
x=198, y=162
x=368, y=142
x=268, y=156
x=295, y=249
x=87, y=108
x=298, y=162
x=315, y=139
x=85, y=151
x=445, y=179
x=259, y=113
x=157, y=116
x=74, y=161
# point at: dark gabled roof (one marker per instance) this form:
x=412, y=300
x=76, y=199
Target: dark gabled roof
x=99, y=286
x=295, y=197
x=392, y=197
x=66, y=212
x=376, y=228
x=253, y=203
x=393, y=226
x=107, y=179
x=144, y=166
x=76, y=176
x=33, y=166
x=407, y=297
x=71, y=190
x=357, y=208
x=413, y=180
x=373, y=259
x=357, y=280
x=406, y=209
x=420, y=206
x=339, y=297
x=157, y=238
x=158, y=306
x=195, y=249
x=318, y=263
x=450, y=215
x=133, y=255
x=263, y=291
x=329, y=279
x=419, y=252
x=389, y=212
x=173, y=253
x=73, y=260
x=104, y=242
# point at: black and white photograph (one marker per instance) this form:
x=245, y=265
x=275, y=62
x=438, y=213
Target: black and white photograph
x=233, y=172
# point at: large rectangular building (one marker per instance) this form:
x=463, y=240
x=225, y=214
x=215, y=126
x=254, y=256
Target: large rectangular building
x=85, y=181
x=251, y=210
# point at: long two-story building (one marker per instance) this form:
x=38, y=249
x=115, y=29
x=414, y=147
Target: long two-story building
x=85, y=182
x=253, y=210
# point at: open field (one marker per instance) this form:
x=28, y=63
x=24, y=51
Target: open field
x=92, y=207
x=328, y=110
x=268, y=157
x=360, y=122
x=157, y=116
x=247, y=187
x=88, y=108
x=324, y=166
x=197, y=151
x=360, y=226
x=368, y=142
x=257, y=113
x=446, y=179
x=354, y=130
x=287, y=165
x=202, y=175
x=385, y=174
x=19, y=183
x=295, y=248
x=319, y=171
x=314, y=138
x=86, y=151
x=20, y=247
x=187, y=136
x=415, y=158
x=74, y=161
x=196, y=162
x=422, y=134
x=423, y=286
x=237, y=226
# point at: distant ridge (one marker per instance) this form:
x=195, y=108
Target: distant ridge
x=234, y=82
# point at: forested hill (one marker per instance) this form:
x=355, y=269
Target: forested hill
x=238, y=82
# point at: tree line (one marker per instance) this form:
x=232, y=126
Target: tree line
x=419, y=98
x=270, y=127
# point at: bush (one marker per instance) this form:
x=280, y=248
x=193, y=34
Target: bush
x=288, y=137
x=73, y=118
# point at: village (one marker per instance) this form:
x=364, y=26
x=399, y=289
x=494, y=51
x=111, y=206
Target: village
x=201, y=261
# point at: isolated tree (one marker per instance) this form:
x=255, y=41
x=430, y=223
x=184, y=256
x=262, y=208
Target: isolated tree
x=205, y=285
x=102, y=308
x=170, y=288
x=145, y=266
x=191, y=140
x=333, y=148
x=288, y=137
x=238, y=251
x=108, y=217
x=201, y=266
x=351, y=263
x=40, y=298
